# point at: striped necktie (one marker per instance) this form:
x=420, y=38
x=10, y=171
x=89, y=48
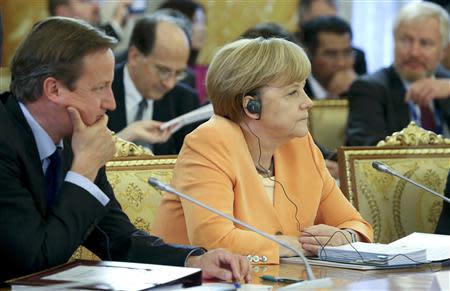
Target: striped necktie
x=427, y=118
x=142, y=106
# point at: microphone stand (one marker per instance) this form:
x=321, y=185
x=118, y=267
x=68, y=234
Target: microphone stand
x=379, y=166
x=309, y=274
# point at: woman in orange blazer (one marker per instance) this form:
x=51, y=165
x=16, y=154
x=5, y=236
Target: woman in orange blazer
x=256, y=161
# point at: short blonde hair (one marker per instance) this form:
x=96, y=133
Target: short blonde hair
x=419, y=11
x=246, y=65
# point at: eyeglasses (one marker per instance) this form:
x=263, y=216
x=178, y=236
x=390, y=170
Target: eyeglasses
x=165, y=73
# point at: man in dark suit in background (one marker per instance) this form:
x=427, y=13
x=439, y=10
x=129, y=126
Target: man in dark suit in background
x=146, y=88
x=328, y=42
x=90, y=11
x=54, y=194
x=309, y=9
x=414, y=88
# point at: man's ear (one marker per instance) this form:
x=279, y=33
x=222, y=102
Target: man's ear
x=133, y=55
x=52, y=89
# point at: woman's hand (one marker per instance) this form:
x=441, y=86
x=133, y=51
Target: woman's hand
x=293, y=242
x=317, y=236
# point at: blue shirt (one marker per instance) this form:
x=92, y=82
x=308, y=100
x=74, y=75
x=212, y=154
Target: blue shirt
x=46, y=147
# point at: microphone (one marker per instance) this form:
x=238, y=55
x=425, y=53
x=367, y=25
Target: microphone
x=379, y=166
x=312, y=281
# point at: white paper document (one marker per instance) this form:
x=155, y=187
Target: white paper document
x=437, y=245
x=377, y=254
x=201, y=113
x=121, y=278
x=420, y=247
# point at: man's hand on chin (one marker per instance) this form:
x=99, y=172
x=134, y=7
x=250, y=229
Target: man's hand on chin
x=92, y=145
x=221, y=264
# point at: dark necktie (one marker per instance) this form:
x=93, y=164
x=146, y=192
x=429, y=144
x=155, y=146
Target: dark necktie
x=141, y=108
x=53, y=177
x=427, y=118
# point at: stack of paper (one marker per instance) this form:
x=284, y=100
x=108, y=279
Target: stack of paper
x=437, y=245
x=376, y=254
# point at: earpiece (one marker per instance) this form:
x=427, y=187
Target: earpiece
x=254, y=106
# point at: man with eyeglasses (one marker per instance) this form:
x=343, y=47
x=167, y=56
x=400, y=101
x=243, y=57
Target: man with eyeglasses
x=327, y=40
x=415, y=88
x=146, y=87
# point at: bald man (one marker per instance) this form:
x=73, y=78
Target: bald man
x=146, y=88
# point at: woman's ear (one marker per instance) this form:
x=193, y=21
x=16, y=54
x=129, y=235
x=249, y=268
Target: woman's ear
x=252, y=107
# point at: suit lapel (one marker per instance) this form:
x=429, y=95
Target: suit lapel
x=118, y=118
x=29, y=154
x=398, y=91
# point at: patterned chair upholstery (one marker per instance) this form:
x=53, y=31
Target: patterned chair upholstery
x=5, y=79
x=327, y=122
x=128, y=173
x=394, y=207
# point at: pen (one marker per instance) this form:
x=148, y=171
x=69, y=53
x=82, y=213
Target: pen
x=279, y=279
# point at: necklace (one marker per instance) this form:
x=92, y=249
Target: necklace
x=266, y=172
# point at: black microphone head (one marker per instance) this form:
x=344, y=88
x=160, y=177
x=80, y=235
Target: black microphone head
x=154, y=182
x=379, y=166
x=376, y=165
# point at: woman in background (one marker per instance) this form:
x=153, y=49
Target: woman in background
x=256, y=161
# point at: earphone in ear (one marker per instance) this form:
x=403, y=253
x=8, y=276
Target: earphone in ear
x=254, y=106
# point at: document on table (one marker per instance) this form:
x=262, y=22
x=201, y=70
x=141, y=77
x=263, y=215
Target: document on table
x=107, y=275
x=437, y=245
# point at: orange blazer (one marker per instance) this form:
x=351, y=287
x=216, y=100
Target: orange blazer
x=215, y=167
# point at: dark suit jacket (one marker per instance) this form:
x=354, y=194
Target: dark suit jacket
x=33, y=237
x=443, y=226
x=181, y=99
x=377, y=107
x=360, y=61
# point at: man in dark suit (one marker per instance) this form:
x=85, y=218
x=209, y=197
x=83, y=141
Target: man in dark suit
x=146, y=88
x=443, y=226
x=54, y=194
x=327, y=40
x=414, y=88
x=310, y=9
x=90, y=11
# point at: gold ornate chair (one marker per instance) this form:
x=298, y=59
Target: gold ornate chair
x=327, y=122
x=128, y=173
x=5, y=79
x=394, y=207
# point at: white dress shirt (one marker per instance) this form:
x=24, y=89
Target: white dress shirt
x=132, y=99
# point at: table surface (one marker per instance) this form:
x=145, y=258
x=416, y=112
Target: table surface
x=422, y=278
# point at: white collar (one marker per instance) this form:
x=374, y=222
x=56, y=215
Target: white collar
x=317, y=90
x=45, y=145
